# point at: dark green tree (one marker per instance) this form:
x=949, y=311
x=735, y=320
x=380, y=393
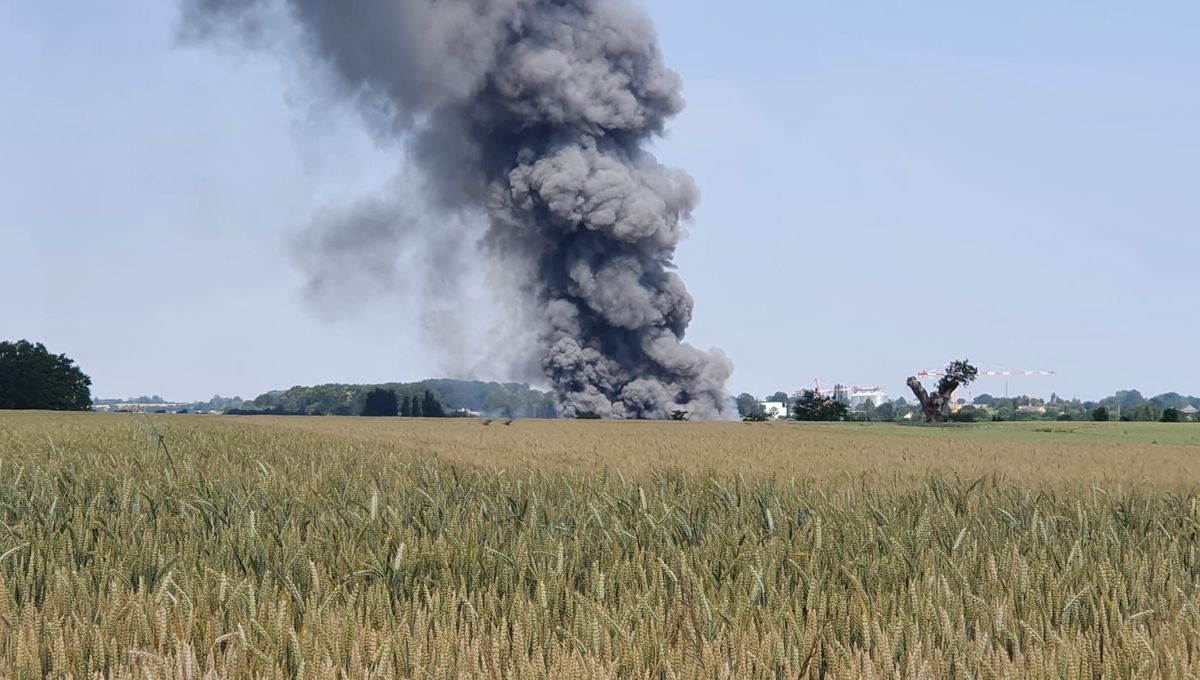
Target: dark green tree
x=679, y=415
x=780, y=396
x=811, y=406
x=1100, y=414
x=33, y=378
x=1172, y=415
x=431, y=407
x=406, y=406
x=381, y=402
x=747, y=404
x=966, y=414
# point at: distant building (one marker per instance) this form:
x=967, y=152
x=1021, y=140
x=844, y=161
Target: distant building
x=860, y=398
x=840, y=393
x=135, y=407
x=774, y=409
x=1189, y=412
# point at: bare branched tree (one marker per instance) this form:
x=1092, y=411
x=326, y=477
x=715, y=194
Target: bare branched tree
x=935, y=406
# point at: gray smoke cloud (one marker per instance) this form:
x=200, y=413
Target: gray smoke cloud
x=535, y=114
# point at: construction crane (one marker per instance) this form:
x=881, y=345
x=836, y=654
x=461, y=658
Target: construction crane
x=1006, y=374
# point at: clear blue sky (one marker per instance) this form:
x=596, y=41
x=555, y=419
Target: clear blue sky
x=867, y=170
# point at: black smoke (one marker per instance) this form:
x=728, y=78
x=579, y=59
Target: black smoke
x=535, y=114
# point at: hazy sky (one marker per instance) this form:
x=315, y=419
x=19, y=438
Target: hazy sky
x=884, y=187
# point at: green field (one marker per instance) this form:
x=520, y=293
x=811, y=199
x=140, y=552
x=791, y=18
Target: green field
x=196, y=546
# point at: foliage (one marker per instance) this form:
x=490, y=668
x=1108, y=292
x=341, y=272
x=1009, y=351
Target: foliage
x=959, y=373
x=780, y=396
x=811, y=406
x=431, y=407
x=1171, y=415
x=966, y=414
x=756, y=417
x=747, y=404
x=33, y=378
x=195, y=548
x=1100, y=414
x=381, y=402
x=587, y=415
x=679, y=415
x=510, y=400
x=1148, y=411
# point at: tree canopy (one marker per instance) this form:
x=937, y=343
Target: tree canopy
x=747, y=404
x=512, y=400
x=812, y=406
x=33, y=378
x=381, y=402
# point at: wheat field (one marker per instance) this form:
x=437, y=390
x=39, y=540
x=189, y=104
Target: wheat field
x=210, y=547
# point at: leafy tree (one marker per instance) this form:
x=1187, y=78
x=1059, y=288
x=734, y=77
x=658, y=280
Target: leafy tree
x=406, y=406
x=1125, y=399
x=1172, y=415
x=811, y=406
x=1148, y=412
x=33, y=378
x=747, y=404
x=885, y=412
x=1100, y=414
x=964, y=415
x=381, y=402
x=679, y=415
x=431, y=407
x=780, y=396
x=869, y=409
x=959, y=373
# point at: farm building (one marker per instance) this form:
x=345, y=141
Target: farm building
x=774, y=409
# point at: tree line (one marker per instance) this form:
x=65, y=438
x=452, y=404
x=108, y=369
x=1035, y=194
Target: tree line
x=384, y=402
x=507, y=400
x=937, y=406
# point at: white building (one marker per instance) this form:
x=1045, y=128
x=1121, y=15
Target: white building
x=774, y=409
x=876, y=397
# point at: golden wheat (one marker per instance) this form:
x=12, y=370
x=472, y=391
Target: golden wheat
x=345, y=548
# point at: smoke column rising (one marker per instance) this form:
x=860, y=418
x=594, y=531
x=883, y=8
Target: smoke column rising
x=533, y=113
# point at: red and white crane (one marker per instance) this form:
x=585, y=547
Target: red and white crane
x=1006, y=374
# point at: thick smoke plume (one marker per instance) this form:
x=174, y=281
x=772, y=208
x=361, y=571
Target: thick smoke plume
x=534, y=113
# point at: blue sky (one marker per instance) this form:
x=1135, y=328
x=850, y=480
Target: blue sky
x=884, y=188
